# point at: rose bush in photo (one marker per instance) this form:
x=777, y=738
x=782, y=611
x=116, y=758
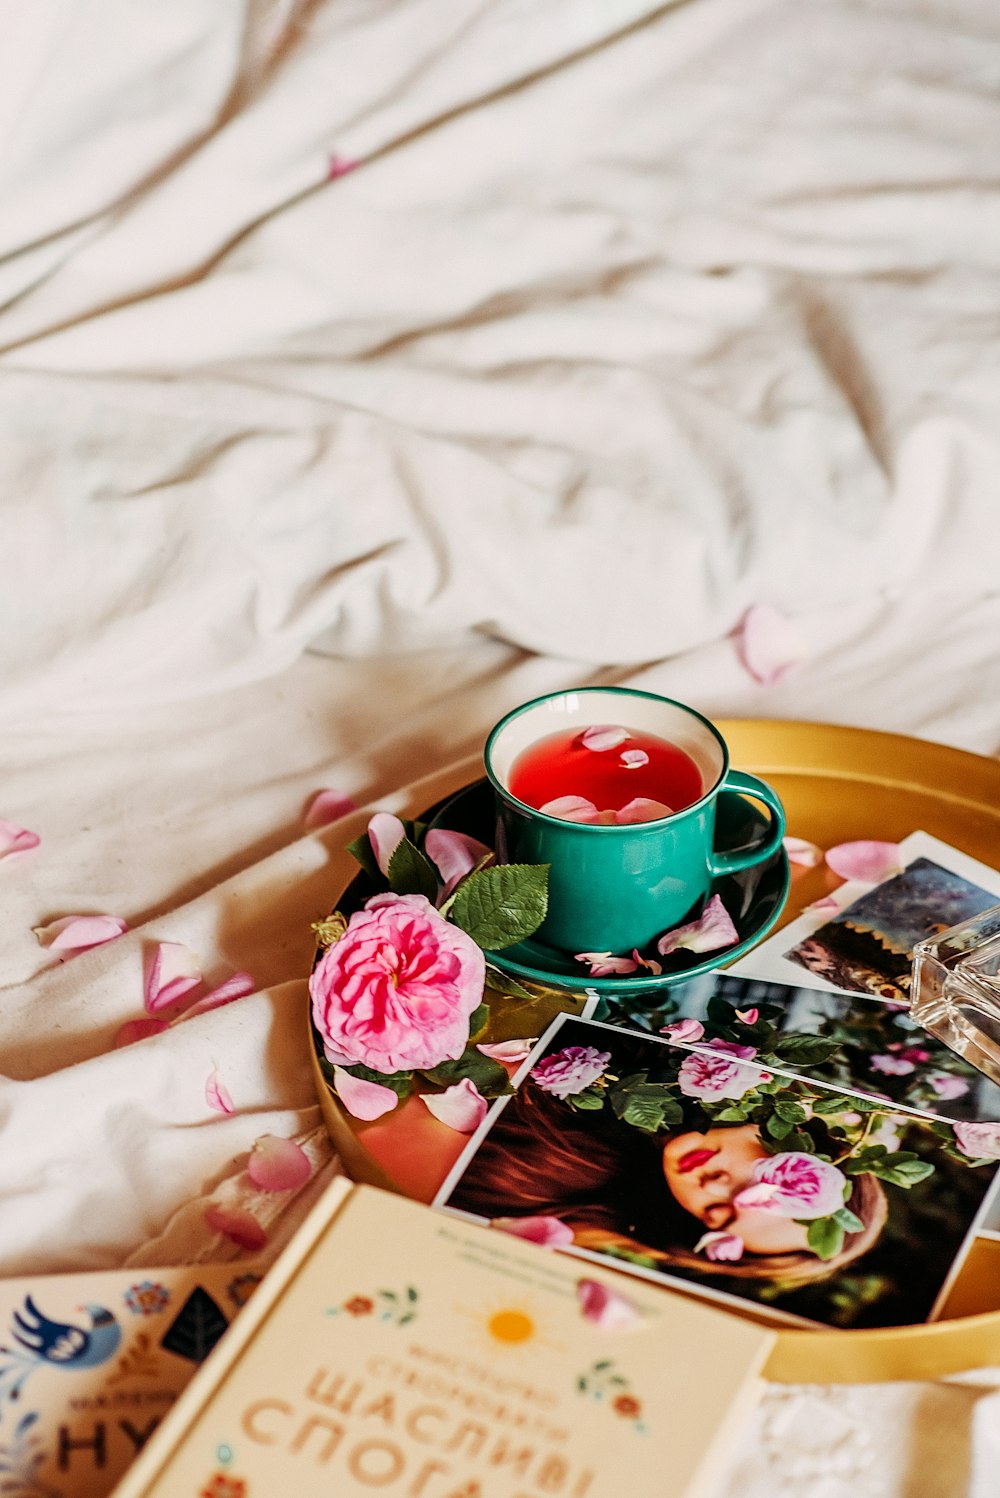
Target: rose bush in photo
x=395, y=993
x=571, y=1070
x=795, y=1184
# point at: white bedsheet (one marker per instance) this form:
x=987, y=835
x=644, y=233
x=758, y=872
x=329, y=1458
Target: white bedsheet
x=630, y=316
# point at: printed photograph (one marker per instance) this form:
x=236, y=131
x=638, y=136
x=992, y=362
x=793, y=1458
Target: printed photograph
x=848, y=1040
x=712, y=1169
x=866, y=944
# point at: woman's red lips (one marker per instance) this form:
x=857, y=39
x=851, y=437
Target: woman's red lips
x=694, y=1158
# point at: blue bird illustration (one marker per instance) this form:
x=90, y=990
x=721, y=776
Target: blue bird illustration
x=58, y=1344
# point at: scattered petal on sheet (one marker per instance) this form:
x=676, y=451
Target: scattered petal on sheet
x=802, y=852
x=866, y=860
x=462, y=1107
x=509, y=1052
x=688, y=1031
x=603, y=964
x=602, y=736
x=748, y=1016
x=76, y=933
x=571, y=809
x=769, y=643
x=455, y=854
x=236, y=1223
x=217, y=1094
x=649, y=963
x=15, y=839
x=634, y=759
x=173, y=972
x=607, y=1308
x=327, y=806
x=236, y=987
x=825, y=905
x=712, y=930
x=642, y=809
x=385, y=833
x=139, y=1029
x=366, y=1100
x=277, y=1164
x=549, y=1232
x=339, y=166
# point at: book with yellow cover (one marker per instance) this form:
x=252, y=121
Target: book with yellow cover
x=396, y=1350
x=89, y=1364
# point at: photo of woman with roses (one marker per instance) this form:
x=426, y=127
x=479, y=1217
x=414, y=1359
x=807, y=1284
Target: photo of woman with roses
x=697, y=1160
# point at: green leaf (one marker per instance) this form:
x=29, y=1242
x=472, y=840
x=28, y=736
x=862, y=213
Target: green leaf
x=779, y=1128
x=833, y=1103
x=848, y=1221
x=587, y=1101
x=478, y=1020
x=732, y=1114
x=502, y=905
x=488, y=1075
x=904, y=1173
x=825, y=1236
x=791, y=1111
x=362, y=850
x=648, y=1106
x=805, y=1050
x=503, y=983
x=410, y=872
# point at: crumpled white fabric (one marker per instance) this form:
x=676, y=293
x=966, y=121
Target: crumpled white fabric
x=630, y=316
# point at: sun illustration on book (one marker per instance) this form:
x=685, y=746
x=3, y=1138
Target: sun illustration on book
x=508, y=1325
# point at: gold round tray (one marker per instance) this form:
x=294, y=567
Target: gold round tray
x=836, y=784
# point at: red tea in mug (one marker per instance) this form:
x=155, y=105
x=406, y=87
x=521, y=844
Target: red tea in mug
x=605, y=774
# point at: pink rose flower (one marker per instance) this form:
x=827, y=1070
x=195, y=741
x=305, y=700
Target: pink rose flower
x=947, y=1087
x=731, y=1048
x=396, y=991
x=892, y=1066
x=796, y=1185
x=721, y=1248
x=715, y=1076
x=571, y=1070
x=980, y=1141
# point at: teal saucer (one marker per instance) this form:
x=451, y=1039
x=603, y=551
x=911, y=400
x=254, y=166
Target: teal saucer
x=754, y=899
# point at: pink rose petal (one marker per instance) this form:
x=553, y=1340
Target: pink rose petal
x=462, y=1107
x=642, y=809
x=571, y=809
x=173, y=972
x=712, y=930
x=648, y=963
x=15, y=839
x=277, y=1164
x=236, y=987
x=605, y=1307
x=720, y=1247
x=865, y=860
x=602, y=736
x=685, y=1031
x=768, y=643
x=748, y=1016
x=509, y=1052
x=549, y=1232
x=454, y=853
x=217, y=1094
x=327, y=806
x=339, y=166
x=139, y=1029
x=802, y=852
x=634, y=759
x=825, y=905
x=385, y=833
x=603, y=964
x=75, y=933
x=366, y=1100
x=236, y=1223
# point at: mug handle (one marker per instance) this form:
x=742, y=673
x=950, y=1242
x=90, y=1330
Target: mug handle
x=744, y=858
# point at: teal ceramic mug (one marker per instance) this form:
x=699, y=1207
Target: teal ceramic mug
x=612, y=888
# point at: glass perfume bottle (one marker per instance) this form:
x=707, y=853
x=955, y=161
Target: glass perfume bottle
x=956, y=989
